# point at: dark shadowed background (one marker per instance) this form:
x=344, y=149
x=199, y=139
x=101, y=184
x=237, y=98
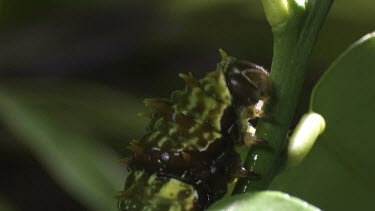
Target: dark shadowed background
x=88, y=64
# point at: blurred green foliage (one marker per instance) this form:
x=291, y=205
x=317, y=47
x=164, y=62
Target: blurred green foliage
x=63, y=126
x=5, y=206
x=105, y=57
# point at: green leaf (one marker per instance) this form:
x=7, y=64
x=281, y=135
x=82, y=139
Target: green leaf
x=59, y=123
x=264, y=200
x=339, y=172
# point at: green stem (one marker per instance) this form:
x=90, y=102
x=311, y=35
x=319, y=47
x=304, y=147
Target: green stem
x=294, y=39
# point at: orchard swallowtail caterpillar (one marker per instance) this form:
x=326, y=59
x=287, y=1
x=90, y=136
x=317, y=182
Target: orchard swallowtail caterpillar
x=187, y=157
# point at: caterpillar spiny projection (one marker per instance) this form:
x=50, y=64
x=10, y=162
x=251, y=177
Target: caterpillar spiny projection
x=187, y=157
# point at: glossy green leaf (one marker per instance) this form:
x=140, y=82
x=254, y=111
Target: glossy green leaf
x=265, y=200
x=339, y=172
x=62, y=125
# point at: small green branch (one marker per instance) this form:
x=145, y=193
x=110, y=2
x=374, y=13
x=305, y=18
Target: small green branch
x=295, y=30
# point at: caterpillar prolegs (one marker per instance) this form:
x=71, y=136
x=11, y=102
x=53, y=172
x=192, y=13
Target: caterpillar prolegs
x=187, y=157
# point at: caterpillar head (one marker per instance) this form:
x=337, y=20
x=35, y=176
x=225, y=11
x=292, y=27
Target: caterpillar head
x=248, y=83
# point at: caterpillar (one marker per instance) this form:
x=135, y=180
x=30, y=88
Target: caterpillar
x=187, y=157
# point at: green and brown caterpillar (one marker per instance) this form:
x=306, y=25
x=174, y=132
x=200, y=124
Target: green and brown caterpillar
x=188, y=157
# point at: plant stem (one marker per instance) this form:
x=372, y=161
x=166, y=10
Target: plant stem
x=294, y=40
